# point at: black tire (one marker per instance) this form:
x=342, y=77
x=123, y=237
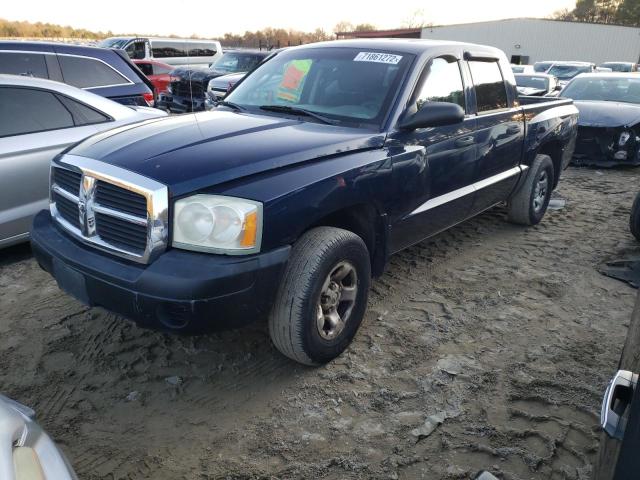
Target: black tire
x=297, y=311
x=529, y=204
x=634, y=218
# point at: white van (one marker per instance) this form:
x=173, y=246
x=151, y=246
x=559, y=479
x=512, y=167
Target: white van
x=173, y=51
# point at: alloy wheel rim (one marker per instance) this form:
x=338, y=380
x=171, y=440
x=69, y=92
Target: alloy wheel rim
x=337, y=299
x=540, y=191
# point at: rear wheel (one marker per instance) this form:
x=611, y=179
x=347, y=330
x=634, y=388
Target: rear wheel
x=323, y=296
x=529, y=204
x=634, y=219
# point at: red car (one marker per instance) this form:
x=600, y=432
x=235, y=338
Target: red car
x=157, y=72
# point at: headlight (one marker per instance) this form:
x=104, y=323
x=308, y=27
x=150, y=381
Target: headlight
x=212, y=223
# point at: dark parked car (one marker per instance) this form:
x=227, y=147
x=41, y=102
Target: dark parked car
x=620, y=414
x=105, y=72
x=157, y=72
x=286, y=199
x=609, y=124
x=566, y=71
x=188, y=89
x=536, y=85
x=621, y=66
x=634, y=218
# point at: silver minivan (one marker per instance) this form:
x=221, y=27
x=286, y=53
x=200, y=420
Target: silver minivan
x=178, y=52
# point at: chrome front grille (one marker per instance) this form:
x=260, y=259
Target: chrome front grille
x=121, y=199
x=110, y=208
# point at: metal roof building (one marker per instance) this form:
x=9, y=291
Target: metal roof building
x=529, y=40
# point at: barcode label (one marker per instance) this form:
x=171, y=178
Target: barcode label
x=378, y=58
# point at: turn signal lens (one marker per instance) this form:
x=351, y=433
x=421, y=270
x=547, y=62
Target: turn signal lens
x=250, y=230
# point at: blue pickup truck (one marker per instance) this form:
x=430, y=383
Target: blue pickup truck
x=284, y=201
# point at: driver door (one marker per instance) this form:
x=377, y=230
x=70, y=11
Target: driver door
x=435, y=180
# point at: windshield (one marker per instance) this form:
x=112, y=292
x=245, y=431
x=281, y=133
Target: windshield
x=617, y=67
x=601, y=88
x=344, y=84
x=567, y=72
x=541, y=67
x=237, y=62
x=541, y=83
x=113, y=43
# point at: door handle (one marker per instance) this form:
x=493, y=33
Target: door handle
x=513, y=130
x=465, y=142
x=617, y=398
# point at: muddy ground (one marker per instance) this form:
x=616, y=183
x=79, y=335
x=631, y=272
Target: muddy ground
x=506, y=335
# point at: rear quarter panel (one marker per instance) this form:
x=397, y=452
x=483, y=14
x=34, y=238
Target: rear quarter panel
x=549, y=124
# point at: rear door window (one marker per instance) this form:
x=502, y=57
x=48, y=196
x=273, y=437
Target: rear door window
x=197, y=49
x=26, y=110
x=491, y=92
x=24, y=63
x=84, y=72
x=163, y=49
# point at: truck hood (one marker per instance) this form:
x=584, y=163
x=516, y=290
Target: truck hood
x=192, y=152
x=607, y=114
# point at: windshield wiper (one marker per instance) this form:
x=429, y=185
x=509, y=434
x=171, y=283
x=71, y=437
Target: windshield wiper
x=299, y=111
x=233, y=106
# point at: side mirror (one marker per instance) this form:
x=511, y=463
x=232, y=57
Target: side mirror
x=558, y=88
x=434, y=114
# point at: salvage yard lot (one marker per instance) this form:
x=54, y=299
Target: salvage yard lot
x=508, y=334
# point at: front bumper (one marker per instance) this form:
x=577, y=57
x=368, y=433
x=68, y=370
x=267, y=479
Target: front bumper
x=179, y=104
x=180, y=291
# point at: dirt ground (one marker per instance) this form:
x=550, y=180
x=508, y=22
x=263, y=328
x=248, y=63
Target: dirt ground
x=487, y=347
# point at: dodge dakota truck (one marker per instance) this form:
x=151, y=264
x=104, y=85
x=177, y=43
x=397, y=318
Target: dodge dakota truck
x=285, y=200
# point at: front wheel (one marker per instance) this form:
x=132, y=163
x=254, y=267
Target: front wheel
x=529, y=204
x=323, y=296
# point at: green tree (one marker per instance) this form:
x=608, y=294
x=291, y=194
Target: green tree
x=629, y=13
x=597, y=11
x=364, y=27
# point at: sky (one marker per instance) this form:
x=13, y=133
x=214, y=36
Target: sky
x=214, y=18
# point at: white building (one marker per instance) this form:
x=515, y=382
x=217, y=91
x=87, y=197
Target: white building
x=529, y=40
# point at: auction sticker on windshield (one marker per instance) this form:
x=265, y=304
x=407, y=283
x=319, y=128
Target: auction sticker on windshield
x=378, y=58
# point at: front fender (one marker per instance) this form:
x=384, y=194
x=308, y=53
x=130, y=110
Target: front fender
x=299, y=197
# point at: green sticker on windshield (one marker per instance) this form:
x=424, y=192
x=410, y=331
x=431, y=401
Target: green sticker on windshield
x=295, y=74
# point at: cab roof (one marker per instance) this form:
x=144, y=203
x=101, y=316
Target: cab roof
x=406, y=45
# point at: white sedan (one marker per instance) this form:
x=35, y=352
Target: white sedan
x=39, y=119
x=26, y=451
